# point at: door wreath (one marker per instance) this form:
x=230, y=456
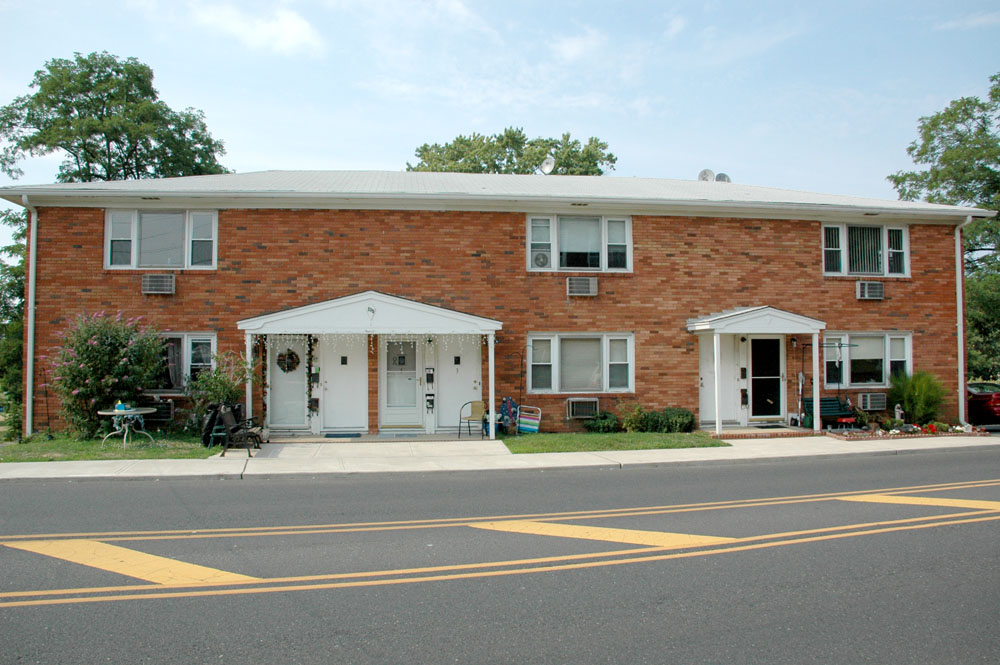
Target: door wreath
x=287, y=361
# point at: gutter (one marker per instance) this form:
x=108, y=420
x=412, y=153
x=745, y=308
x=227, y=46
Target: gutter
x=960, y=322
x=29, y=393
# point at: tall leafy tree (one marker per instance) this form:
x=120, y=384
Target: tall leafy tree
x=959, y=150
x=12, y=318
x=105, y=116
x=513, y=152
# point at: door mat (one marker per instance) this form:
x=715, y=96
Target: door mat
x=345, y=435
x=769, y=426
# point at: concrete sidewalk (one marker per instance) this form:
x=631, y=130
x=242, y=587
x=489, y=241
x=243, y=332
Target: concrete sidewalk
x=280, y=460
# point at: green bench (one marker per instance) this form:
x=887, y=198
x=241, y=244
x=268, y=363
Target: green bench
x=830, y=408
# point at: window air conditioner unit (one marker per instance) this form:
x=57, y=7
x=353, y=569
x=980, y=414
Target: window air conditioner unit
x=581, y=407
x=871, y=290
x=541, y=258
x=871, y=401
x=581, y=286
x=158, y=284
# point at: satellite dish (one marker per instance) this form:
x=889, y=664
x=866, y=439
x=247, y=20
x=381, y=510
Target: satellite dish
x=706, y=175
x=722, y=177
x=547, y=165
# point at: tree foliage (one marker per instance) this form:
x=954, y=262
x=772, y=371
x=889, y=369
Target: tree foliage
x=104, y=114
x=101, y=360
x=12, y=319
x=959, y=149
x=512, y=152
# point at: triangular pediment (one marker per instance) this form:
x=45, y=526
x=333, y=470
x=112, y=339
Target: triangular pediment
x=370, y=312
x=761, y=320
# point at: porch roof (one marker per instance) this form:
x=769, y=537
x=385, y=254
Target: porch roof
x=369, y=312
x=760, y=320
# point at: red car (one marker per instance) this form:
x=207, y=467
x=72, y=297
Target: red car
x=984, y=403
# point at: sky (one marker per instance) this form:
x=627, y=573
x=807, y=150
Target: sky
x=822, y=97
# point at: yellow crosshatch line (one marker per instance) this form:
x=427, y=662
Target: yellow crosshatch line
x=660, y=552
x=924, y=501
x=143, y=566
x=660, y=539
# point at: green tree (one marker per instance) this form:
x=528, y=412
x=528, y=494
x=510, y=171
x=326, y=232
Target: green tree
x=12, y=319
x=959, y=150
x=512, y=152
x=105, y=116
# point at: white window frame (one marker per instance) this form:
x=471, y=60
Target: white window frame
x=831, y=353
x=187, y=340
x=553, y=222
x=845, y=250
x=188, y=239
x=555, y=360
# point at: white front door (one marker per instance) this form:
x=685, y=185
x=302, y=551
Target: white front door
x=729, y=387
x=286, y=377
x=459, y=378
x=400, y=399
x=343, y=382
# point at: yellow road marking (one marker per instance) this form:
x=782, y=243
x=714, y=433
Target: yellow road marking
x=479, y=574
x=924, y=501
x=254, y=532
x=660, y=539
x=149, y=567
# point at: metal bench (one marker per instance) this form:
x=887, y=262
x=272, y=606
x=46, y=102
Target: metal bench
x=830, y=408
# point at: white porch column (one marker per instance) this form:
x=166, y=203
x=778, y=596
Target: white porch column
x=249, y=381
x=817, y=419
x=717, y=370
x=493, y=422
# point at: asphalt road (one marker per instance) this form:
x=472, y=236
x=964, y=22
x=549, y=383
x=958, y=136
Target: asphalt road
x=851, y=560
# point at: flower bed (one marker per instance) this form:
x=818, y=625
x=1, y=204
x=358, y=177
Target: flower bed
x=915, y=433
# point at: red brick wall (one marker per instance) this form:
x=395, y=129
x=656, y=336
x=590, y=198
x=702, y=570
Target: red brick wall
x=474, y=262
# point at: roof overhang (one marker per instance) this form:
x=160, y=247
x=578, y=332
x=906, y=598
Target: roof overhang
x=761, y=320
x=370, y=313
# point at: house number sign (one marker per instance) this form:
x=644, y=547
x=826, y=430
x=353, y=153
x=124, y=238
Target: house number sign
x=288, y=360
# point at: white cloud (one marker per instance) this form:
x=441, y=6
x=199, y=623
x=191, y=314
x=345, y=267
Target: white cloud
x=971, y=22
x=283, y=30
x=720, y=49
x=674, y=28
x=571, y=49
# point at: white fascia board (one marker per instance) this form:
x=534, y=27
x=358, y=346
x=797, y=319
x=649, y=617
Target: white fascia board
x=43, y=197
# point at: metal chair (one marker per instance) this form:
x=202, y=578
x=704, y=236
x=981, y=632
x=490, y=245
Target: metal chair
x=477, y=409
x=238, y=432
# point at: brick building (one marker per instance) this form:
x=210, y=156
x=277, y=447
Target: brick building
x=386, y=300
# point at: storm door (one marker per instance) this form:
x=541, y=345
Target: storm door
x=400, y=367
x=766, y=378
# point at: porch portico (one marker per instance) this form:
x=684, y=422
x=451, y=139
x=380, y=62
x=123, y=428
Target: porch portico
x=410, y=363
x=742, y=374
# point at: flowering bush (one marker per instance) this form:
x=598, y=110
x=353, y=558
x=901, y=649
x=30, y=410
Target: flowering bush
x=103, y=359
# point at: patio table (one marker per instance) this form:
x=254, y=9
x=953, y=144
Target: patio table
x=126, y=421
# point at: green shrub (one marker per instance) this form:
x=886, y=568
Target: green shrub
x=223, y=384
x=102, y=360
x=671, y=419
x=678, y=420
x=633, y=418
x=920, y=396
x=604, y=422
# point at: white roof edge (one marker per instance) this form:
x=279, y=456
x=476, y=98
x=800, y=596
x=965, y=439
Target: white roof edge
x=750, y=316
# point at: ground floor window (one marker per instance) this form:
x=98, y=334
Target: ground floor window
x=185, y=355
x=866, y=359
x=580, y=362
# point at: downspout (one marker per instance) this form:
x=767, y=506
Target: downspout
x=960, y=307
x=29, y=304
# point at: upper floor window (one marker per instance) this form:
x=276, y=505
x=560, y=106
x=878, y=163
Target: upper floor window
x=580, y=363
x=865, y=250
x=580, y=243
x=160, y=239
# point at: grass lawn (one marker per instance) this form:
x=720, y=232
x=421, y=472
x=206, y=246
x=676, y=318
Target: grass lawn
x=65, y=448
x=567, y=443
